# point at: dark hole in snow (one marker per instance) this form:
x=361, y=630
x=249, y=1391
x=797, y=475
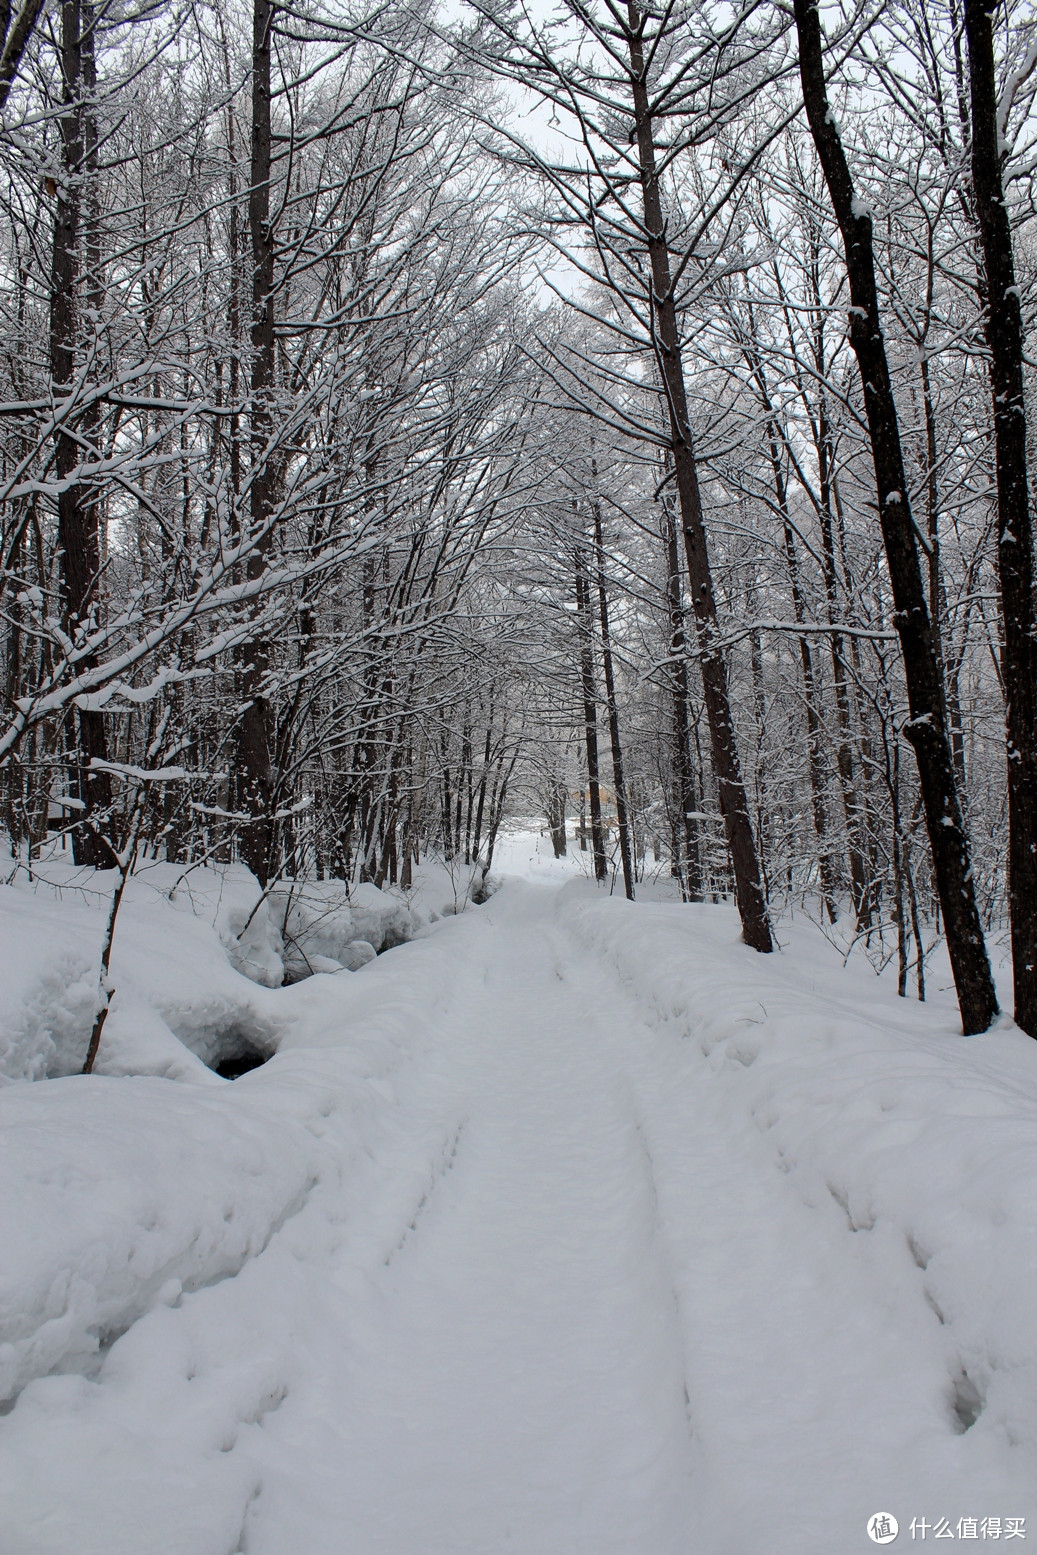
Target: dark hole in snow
x=241, y=1061
x=968, y=1402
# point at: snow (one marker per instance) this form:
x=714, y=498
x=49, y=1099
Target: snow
x=569, y=1226
x=327, y=928
x=130, y=1190
x=913, y=1156
x=196, y=951
x=179, y=971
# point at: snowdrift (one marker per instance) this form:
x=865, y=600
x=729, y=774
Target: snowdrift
x=121, y=1194
x=810, y=1207
x=196, y=953
x=921, y=1142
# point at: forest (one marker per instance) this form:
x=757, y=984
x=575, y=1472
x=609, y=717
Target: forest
x=410, y=418
x=518, y=776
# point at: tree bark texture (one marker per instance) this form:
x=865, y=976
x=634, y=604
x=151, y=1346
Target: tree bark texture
x=254, y=774
x=686, y=836
x=1015, y=534
x=612, y=709
x=79, y=535
x=590, y=713
x=15, y=41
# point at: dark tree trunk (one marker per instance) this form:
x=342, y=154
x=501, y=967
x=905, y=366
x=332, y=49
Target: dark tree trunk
x=15, y=42
x=463, y=782
x=446, y=800
x=1015, y=535
x=556, y=798
x=686, y=833
x=469, y=801
x=585, y=619
x=254, y=774
x=745, y=864
x=483, y=781
x=79, y=535
x=612, y=709
x=927, y=726
x=497, y=813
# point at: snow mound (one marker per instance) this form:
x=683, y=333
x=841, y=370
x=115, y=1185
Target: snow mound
x=132, y=1191
x=178, y=999
x=48, y=988
x=879, y=1112
x=379, y=918
x=129, y=1192
x=232, y=901
x=137, y=1041
x=197, y=952
x=326, y=927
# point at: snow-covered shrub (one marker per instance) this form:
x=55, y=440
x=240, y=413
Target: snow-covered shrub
x=234, y=904
x=326, y=927
x=380, y=918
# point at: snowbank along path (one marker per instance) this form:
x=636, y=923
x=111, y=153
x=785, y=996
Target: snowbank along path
x=538, y=1269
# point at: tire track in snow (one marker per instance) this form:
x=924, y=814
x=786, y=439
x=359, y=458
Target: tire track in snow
x=562, y=1302
x=809, y=1344
x=665, y=1255
x=516, y=1381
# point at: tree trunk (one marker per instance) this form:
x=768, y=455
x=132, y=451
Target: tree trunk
x=926, y=729
x=686, y=833
x=556, y=798
x=483, y=781
x=745, y=864
x=79, y=537
x=590, y=713
x=254, y=774
x=497, y=814
x=1015, y=535
x=612, y=709
x=15, y=43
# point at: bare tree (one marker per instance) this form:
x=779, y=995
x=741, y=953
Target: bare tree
x=927, y=727
x=1003, y=319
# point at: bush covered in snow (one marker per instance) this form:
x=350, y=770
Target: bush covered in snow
x=326, y=927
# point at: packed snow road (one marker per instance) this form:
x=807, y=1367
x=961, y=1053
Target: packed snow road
x=548, y=1287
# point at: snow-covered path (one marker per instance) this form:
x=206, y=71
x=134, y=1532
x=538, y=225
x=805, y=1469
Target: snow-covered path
x=518, y=1382
x=566, y=1299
